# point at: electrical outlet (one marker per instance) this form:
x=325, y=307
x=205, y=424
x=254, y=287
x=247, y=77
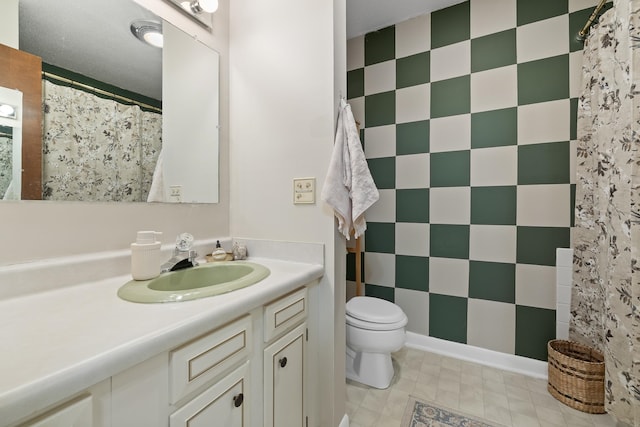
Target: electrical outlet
x=304, y=190
x=175, y=193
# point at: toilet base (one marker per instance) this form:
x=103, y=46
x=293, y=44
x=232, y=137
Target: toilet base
x=372, y=369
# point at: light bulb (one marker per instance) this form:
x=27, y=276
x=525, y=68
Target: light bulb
x=7, y=110
x=209, y=6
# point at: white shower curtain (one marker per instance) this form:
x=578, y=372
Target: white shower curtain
x=605, y=305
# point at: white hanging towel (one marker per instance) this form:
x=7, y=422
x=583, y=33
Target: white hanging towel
x=156, y=192
x=349, y=188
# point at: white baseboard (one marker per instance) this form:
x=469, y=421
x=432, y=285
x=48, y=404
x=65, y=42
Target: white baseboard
x=508, y=362
x=345, y=421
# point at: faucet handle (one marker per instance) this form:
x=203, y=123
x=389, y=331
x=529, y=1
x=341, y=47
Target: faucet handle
x=184, y=242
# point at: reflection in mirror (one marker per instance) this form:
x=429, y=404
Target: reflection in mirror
x=10, y=143
x=103, y=130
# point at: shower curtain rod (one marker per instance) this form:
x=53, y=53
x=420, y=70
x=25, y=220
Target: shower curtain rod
x=101, y=92
x=583, y=32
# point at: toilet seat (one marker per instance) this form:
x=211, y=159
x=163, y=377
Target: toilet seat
x=374, y=314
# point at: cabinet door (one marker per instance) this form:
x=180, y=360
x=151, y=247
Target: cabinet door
x=223, y=404
x=284, y=380
x=75, y=414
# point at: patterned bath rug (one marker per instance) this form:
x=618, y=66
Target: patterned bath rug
x=423, y=414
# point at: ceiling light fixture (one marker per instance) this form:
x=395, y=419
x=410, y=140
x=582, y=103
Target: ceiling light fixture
x=149, y=32
x=8, y=111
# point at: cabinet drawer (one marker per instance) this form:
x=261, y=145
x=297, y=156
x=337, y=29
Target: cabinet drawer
x=281, y=315
x=200, y=361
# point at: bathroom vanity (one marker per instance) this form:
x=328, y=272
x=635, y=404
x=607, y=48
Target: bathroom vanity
x=78, y=355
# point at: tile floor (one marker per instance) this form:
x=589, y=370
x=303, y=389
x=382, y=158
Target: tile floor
x=510, y=399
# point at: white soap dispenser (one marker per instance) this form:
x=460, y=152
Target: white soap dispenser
x=145, y=256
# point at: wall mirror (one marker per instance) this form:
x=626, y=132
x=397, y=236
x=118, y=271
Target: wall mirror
x=10, y=143
x=122, y=121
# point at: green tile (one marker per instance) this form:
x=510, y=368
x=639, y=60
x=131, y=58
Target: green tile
x=497, y=128
x=412, y=70
x=412, y=272
x=544, y=163
x=380, y=46
x=449, y=241
x=412, y=137
x=576, y=23
x=355, y=83
x=376, y=291
x=572, y=191
x=451, y=97
x=380, y=237
x=450, y=25
x=493, y=51
x=535, y=327
x=543, y=80
x=573, y=103
x=448, y=318
x=492, y=281
x=380, y=109
x=494, y=205
x=383, y=171
x=351, y=266
x=450, y=169
x=537, y=245
x=412, y=205
x=529, y=11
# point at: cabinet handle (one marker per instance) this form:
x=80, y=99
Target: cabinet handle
x=283, y=362
x=237, y=400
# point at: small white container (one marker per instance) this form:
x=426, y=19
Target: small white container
x=145, y=256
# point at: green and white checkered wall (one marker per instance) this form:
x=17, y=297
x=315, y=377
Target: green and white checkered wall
x=468, y=117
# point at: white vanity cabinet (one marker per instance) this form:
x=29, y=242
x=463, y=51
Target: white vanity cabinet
x=285, y=361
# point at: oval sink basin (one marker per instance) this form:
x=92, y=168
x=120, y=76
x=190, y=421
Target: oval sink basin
x=205, y=280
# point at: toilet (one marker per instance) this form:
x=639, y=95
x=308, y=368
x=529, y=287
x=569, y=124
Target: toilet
x=375, y=329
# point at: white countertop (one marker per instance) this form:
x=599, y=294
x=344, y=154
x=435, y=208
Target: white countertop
x=59, y=342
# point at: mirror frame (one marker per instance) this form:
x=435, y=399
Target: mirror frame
x=25, y=74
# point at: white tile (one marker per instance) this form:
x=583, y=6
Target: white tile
x=543, y=39
x=494, y=166
x=564, y=256
x=448, y=276
x=491, y=325
x=415, y=305
x=451, y=133
x=384, y=210
x=492, y=16
x=562, y=313
x=562, y=332
x=380, y=269
x=563, y=295
x=451, y=61
x=575, y=5
x=450, y=205
x=544, y=122
x=357, y=108
x=543, y=205
x=494, y=89
x=575, y=74
x=413, y=36
x=495, y=243
x=412, y=171
x=380, y=77
x=536, y=286
x=412, y=239
x=413, y=103
x=355, y=53
x=564, y=276
x=380, y=141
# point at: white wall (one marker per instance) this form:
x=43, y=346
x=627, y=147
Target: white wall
x=9, y=23
x=283, y=106
x=38, y=230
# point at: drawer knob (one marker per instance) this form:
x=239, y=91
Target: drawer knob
x=283, y=362
x=237, y=400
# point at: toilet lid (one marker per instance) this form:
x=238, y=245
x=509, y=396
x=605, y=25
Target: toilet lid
x=375, y=310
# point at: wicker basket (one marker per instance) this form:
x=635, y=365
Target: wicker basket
x=576, y=376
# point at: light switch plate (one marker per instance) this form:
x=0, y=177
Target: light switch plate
x=304, y=190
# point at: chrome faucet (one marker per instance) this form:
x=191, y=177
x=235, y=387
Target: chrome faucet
x=183, y=256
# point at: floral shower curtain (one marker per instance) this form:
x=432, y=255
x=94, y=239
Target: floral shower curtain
x=605, y=308
x=97, y=149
